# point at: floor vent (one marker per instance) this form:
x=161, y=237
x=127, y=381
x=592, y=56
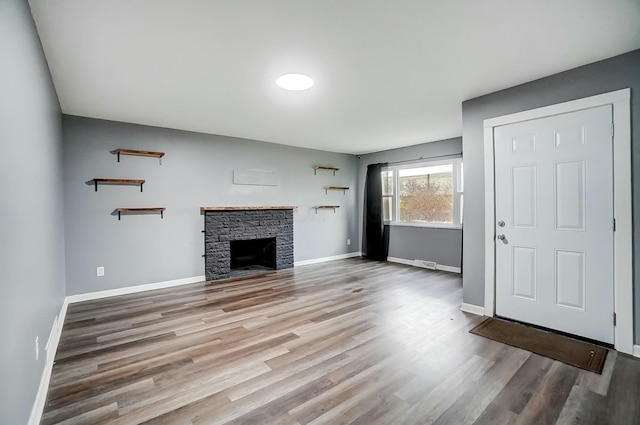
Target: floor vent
x=426, y=264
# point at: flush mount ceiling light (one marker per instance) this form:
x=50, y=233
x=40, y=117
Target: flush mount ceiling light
x=294, y=82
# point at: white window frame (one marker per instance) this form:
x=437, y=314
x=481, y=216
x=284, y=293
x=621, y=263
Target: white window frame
x=457, y=193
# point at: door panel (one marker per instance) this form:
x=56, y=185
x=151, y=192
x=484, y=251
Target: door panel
x=570, y=279
x=524, y=196
x=570, y=195
x=524, y=272
x=554, y=192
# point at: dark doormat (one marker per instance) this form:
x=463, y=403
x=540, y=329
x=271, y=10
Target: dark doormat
x=558, y=347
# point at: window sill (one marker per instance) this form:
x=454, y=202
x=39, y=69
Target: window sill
x=426, y=225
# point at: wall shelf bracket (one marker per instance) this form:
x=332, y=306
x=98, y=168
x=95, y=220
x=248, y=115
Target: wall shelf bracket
x=135, y=152
x=326, y=207
x=96, y=181
x=141, y=210
x=324, y=168
x=342, y=188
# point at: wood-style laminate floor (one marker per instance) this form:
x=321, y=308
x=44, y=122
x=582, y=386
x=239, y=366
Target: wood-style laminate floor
x=346, y=342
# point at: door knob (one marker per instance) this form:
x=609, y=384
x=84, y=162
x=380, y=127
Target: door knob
x=501, y=237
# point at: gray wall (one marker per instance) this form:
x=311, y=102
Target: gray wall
x=31, y=237
x=440, y=245
x=600, y=77
x=196, y=171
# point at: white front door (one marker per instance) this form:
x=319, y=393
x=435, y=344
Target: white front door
x=554, y=222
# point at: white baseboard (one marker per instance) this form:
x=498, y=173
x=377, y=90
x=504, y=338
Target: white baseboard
x=133, y=289
x=473, y=309
x=51, y=348
x=413, y=263
x=636, y=350
x=450, y=269
x=401, y=261
x=325, y=259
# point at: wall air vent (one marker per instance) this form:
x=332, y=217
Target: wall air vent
x=425, y=264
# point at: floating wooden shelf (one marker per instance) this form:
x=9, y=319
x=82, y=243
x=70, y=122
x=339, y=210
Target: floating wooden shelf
x=118, y=181
x=342, y=188
x=324, y=168
x=134, y=152
x=141, y=209
x=326, y=207
x=254, y=208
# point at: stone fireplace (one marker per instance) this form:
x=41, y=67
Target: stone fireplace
x=245, y=238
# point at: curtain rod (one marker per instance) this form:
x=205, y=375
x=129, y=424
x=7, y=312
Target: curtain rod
x=459, y=154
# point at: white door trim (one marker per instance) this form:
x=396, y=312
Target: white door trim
x=623, y=258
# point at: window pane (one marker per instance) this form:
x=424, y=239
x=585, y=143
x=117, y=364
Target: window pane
x=387, y=182
x=426, y=194
x=387, y=208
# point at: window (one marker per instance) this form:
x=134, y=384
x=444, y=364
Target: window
x=423, y=194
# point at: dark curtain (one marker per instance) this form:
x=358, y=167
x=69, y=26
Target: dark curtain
x=375, y=237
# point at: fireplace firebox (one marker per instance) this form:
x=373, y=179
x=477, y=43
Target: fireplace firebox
x=253, y=254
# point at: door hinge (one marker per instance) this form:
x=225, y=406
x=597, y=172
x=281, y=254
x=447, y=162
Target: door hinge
x=615, y=320
x=614, y=224
x=613, y=131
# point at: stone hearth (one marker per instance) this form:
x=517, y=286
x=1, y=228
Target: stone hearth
x=225, y=224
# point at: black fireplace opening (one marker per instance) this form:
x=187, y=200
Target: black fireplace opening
x=253, y=254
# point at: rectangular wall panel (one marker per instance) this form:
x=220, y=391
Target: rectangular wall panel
x=523, y=144
x=569, y=138
x=570, y=279
x=524, y=196
x=256, y=177
x=570, y=194
x=524, y=272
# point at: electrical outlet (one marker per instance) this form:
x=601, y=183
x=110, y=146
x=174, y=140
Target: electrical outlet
x=37, y=349
x=348, y=241
x=100, y=271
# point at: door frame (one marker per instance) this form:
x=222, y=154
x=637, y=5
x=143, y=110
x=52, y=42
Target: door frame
x=622, y=237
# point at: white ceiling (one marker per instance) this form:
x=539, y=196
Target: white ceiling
x=387, y=73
